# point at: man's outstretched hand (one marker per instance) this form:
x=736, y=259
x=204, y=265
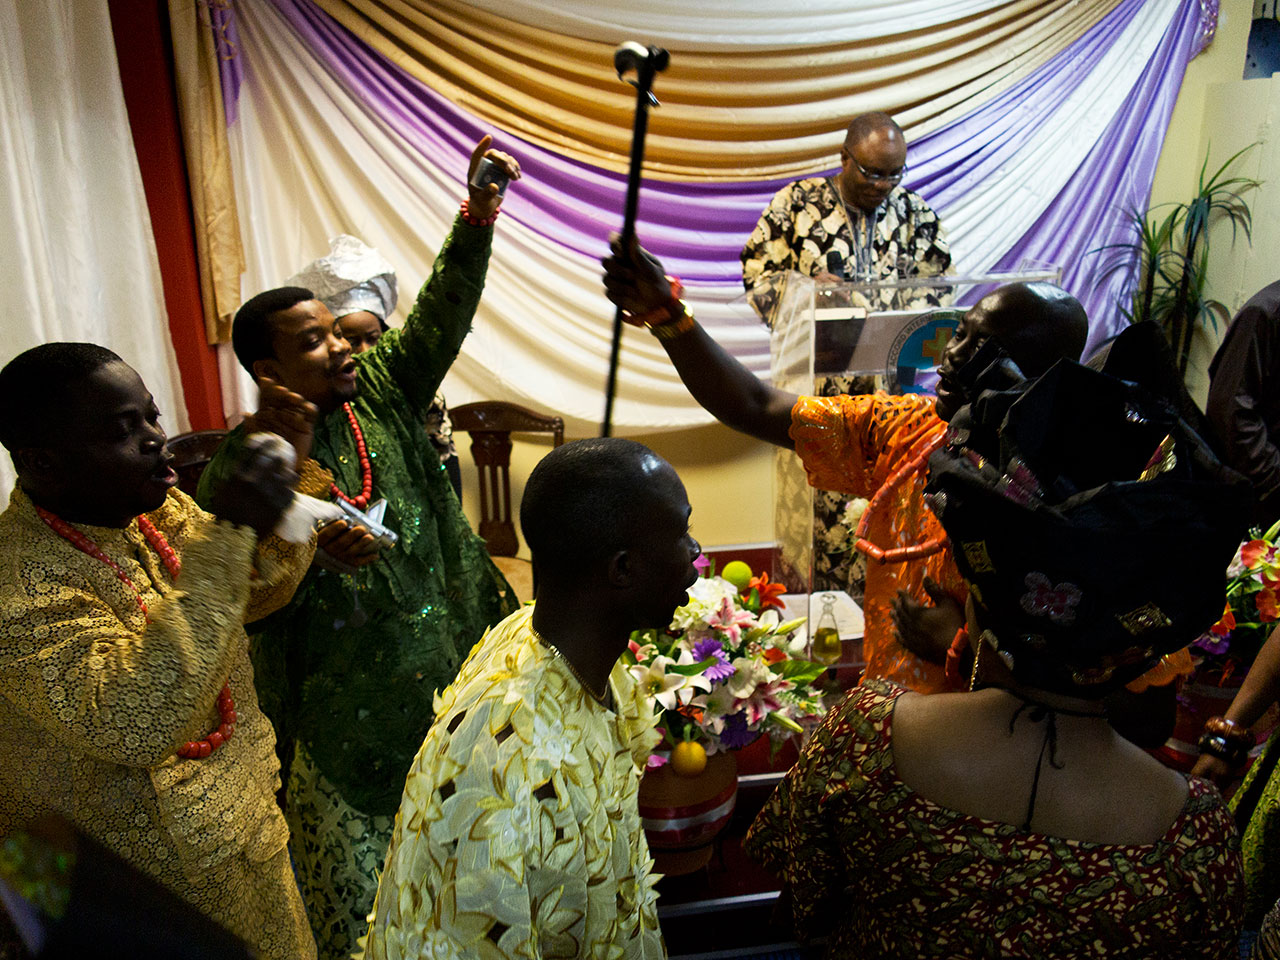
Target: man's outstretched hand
x=928, y=631
x=634, y=279
x=484, y=203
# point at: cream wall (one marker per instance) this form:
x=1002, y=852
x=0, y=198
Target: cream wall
x=729, y=476
x=1218, y=112
x=1221, y=62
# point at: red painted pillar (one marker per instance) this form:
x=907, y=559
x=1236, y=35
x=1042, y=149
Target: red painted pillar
x=141, y=30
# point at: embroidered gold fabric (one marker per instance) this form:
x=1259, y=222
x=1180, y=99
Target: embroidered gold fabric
x=94, y=702
x=518, y=834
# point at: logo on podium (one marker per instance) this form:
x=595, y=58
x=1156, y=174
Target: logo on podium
x=918, y=347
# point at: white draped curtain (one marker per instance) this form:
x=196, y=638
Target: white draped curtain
x=741, y=24
x=331, y=139
x=77, y=256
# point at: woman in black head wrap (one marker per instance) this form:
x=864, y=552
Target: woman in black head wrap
x=1092, y=525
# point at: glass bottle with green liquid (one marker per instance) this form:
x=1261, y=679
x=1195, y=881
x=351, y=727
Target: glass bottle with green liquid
x=825, y=646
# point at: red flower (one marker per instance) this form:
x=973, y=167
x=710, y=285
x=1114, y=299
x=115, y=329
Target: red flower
x=773, y=655
x=769, y=592
x=1252, y=552
x=1266, y=600
x=690, y=711
x=1226, y=624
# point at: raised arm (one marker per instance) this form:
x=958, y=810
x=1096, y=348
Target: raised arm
x=76, y=664
x=1261, y=688
x=724, y=387
x=417, y=356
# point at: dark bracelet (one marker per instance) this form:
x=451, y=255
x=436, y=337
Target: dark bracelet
x=1228, y=751
x=1229, y=730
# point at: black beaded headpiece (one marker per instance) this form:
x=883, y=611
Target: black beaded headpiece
x=1092, y=523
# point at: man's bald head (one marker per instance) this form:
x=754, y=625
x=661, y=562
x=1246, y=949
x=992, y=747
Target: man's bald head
x=588, y=498
x=1037, y=324
x=875, y=124
x=610, y=517
x=872, y=160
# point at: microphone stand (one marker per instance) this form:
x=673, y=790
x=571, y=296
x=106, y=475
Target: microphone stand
x=646, y=61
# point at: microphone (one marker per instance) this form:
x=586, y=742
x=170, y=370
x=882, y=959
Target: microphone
x=836, y=265
x=632, y=55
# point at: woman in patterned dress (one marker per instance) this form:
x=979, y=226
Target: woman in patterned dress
x=1013, y=821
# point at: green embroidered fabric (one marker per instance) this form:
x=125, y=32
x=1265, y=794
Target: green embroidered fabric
x=356, y=685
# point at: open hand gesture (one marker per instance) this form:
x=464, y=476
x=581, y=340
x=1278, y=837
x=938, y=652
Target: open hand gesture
x=258, y=491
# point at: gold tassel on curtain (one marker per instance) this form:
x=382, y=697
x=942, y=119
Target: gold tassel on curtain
x=204, y=139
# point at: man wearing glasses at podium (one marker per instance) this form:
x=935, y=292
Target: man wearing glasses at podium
x=859, y=224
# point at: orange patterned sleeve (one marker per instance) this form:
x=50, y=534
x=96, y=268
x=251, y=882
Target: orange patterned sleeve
x=830, y=438
x=843, y=440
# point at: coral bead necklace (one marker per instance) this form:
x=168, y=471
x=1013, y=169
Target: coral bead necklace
x=366, y=470
x=896, y=480
x=192, y=749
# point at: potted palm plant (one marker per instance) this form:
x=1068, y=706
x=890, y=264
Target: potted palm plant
x=1170, y=255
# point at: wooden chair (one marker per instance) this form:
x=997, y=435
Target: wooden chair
x=192, y=453
x=491, y=423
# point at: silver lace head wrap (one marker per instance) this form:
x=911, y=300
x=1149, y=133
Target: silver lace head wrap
x=352, y=277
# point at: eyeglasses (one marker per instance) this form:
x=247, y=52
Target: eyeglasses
x=871, y=175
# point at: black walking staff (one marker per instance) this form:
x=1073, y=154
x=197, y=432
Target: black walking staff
x=645, y=61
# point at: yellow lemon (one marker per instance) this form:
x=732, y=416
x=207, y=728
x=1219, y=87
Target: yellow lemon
x=737, y=573
x=688, y=759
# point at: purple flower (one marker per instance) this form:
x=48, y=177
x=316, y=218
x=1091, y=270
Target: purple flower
x=702, y=564
x=1212, y=644
x=711, y=647
x=735, y=733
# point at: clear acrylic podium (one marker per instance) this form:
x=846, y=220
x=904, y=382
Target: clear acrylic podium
x=894, y=331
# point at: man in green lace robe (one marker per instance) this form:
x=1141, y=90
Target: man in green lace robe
x=348, y=671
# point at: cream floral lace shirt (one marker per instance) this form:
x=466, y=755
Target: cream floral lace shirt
x=518, y=833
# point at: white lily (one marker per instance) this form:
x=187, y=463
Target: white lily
x=705, y=597
x=748, y=674
x=695, y=682
x=659, y=685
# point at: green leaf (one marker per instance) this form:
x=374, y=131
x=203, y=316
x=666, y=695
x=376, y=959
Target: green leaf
x=799, y=672
x=692, y=669
x=782, y=629
x=786, y=723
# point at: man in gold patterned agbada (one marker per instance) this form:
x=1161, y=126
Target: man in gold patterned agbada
x=127, y=703
x=518, y=834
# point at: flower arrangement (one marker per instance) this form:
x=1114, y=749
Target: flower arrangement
x=1253, y=605
x=727, y=668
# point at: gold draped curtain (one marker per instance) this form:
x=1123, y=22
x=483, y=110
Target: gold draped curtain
x=751, y=114
x=219, y=252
